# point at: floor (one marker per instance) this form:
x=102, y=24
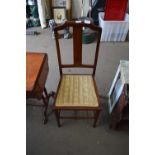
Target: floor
x=75, y=136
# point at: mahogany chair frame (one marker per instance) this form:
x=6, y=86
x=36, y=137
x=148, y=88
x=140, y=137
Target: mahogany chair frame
x=77, y=57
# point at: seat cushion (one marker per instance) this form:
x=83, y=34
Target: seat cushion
x=77, y=91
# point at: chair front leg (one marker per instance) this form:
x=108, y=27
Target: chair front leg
x=57, y=115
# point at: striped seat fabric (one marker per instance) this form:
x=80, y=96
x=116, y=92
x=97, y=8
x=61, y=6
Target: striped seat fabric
x=77, y=91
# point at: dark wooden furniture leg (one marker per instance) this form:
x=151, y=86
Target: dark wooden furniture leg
x=45, y=91
x=57, y=115
x=96, y=117
x=45, y=100
x=45, y=97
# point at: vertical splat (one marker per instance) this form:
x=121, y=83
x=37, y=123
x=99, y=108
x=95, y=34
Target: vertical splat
x=77, y=45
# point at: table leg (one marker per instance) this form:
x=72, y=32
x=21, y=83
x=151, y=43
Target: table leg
x=57, y=115
x=45, y=100
x=45, y=97
x=45, y=91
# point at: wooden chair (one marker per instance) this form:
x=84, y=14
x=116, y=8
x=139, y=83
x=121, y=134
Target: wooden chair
x=77, y=92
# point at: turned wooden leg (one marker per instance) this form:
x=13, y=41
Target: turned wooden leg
x=57, y=115
x=45, y=100
x=96, y=117
x=45, y=91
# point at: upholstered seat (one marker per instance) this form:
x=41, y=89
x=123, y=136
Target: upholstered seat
x=77, y=91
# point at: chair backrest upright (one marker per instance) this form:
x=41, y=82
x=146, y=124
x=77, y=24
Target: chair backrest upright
x=77, y=44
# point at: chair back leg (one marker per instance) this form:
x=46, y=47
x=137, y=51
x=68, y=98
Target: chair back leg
x=97, y=112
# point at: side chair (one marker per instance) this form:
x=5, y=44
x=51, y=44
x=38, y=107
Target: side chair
x=77, y=92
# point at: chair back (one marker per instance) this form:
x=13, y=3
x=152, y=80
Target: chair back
x=77, y=44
